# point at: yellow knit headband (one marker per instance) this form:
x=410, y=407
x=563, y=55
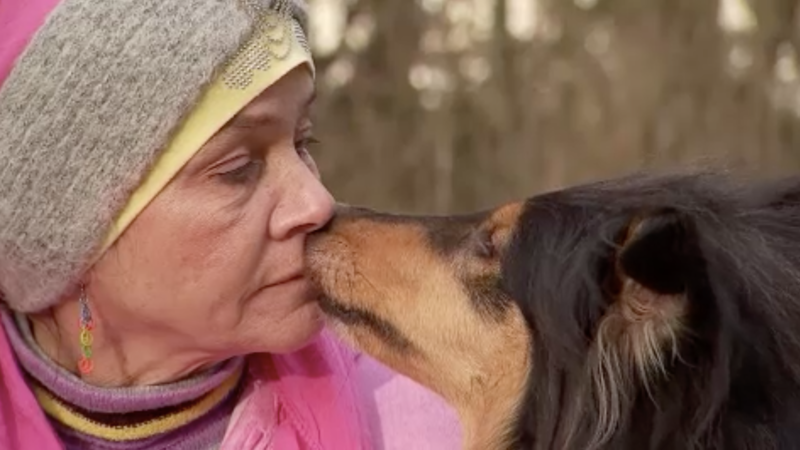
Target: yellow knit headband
x=277, y=46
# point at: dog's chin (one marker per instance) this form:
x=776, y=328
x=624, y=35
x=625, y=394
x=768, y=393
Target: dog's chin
x=339, y=317
x=362, y=328
x=344, y=322
x=337, y=311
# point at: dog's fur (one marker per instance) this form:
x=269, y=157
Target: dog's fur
x=648, y=312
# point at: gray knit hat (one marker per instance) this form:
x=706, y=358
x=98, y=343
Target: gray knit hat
x=94, y=98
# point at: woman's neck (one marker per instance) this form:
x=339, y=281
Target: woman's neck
x=121, y=359
x=186, y=414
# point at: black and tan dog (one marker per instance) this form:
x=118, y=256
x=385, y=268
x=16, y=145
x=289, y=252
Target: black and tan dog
x=640, y=313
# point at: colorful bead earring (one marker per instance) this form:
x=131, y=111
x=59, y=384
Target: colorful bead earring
x=85, y=364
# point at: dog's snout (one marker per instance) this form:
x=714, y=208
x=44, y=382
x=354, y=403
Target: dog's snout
x=344, y=211
x=344, y=217
x=343, y=214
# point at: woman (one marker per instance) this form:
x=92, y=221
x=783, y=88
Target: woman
x=155, y=195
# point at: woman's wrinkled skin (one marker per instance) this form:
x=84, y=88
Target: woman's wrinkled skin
x=212, y=268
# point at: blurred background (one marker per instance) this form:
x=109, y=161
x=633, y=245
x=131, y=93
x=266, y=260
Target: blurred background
x=442, y=106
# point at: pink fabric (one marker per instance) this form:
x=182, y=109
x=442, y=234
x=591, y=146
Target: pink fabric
x=303, y=401
x=401, y=414
x=324, y=397
x=23, y=425
x=19, y=20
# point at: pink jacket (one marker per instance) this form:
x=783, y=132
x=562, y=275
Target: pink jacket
x=324, y=397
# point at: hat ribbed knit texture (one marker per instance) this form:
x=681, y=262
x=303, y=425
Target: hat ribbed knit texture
x=85, y=112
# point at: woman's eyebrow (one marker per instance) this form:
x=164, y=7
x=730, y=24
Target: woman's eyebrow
x=257, y=117
x=255, y=120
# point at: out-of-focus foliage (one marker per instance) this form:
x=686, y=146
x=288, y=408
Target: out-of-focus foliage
x=455, y=105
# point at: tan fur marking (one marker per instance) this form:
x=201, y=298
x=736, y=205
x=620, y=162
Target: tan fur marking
x=504, y=221
x=632, y=344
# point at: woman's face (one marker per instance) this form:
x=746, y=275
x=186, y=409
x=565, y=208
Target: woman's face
x=214, y=264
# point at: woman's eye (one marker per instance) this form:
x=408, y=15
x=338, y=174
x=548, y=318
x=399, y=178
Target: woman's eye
x=244, y=173
x=303, y=144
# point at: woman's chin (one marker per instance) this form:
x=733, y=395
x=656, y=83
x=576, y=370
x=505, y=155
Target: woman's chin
x=308, y=329
x=300, y=330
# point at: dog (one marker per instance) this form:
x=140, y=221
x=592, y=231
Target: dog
x=651, y=311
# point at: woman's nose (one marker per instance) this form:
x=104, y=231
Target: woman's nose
x=306, y=206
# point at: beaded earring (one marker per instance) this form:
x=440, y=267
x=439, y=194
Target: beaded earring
x=85, y=364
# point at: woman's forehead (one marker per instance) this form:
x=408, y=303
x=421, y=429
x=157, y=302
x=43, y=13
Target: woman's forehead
x=281, y=107
x=287, y=99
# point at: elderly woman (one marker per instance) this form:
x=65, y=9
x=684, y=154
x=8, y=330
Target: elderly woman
x=155, y=195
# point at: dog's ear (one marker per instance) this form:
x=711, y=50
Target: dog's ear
x=660, y=253
x=638, y=336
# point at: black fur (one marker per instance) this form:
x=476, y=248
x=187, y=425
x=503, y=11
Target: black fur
x=734, y=248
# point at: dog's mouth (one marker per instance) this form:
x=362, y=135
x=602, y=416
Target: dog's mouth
x=341, y=312
x=355, y=317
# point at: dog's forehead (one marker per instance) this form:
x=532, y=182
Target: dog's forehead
x=447, y=233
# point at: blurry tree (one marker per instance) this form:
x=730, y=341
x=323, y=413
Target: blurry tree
x=455, y=105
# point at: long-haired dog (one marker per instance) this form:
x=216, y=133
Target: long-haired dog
x=648, y=312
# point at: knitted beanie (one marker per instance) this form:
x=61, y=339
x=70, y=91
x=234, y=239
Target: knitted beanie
x=102, y=102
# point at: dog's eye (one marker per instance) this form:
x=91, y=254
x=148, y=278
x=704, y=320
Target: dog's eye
x=484, y=244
